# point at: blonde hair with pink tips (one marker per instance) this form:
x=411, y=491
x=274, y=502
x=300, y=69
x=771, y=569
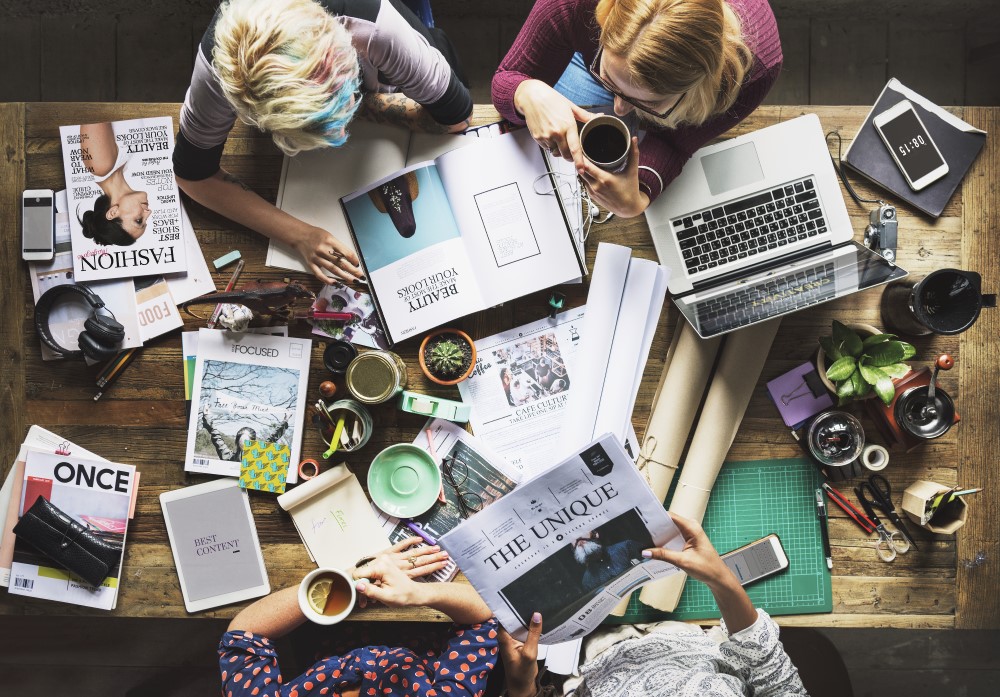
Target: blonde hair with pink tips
x=690, y=47
x=288, y=67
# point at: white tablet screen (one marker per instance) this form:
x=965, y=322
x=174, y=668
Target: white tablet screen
x=214, y=543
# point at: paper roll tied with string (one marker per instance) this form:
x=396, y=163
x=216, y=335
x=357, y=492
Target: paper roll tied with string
x=682, y=384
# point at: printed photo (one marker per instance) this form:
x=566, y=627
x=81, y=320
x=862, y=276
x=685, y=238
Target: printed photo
x=366, y=330
x=240, y=403
x=570, y=578
x=535, y=370
x=400, y=217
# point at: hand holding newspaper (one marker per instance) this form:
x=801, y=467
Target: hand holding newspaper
x=567, y=544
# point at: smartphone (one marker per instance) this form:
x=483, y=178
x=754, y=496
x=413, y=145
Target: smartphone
x=757, y=560
x=910, y=145
x=38, y=225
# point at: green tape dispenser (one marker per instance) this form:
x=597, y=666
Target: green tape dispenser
x=426, y=405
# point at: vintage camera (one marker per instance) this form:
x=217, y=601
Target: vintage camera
x=880, y=235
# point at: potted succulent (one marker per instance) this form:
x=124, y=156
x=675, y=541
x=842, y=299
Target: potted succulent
x=858, y=359
x=447, y=356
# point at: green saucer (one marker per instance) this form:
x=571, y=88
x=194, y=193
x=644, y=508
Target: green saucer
x=404, y=480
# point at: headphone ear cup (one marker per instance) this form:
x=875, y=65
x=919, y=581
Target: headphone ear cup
x=104, y=330
x=94, y=349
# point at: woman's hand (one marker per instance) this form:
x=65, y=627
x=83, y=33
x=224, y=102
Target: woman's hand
x=619, y=193
x=322, y=252
x=552, y=120
x=520, y=660
x=698, y=558
x=390, y=575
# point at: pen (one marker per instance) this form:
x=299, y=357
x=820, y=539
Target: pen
x=229, y=286
x=437, y=463
x=419, y=532
x=821, y=515
x=336, y=316
x=853, y=513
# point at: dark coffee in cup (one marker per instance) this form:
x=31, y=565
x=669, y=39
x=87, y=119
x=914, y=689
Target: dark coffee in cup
x=605, y=140
x=605, y=143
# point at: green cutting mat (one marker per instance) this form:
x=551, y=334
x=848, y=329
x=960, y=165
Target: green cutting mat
x=749, y=501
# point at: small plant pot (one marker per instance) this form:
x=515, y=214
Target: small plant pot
x=464, y=342
x=946, y=520
x=862, y=330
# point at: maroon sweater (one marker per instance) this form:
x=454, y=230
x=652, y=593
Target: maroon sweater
x=556, y=29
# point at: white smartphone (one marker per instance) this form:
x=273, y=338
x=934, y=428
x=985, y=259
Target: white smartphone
x=757, y=560
x=910, y=145
x=38, y=225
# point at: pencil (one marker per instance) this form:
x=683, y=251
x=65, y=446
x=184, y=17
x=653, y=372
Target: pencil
x=437, y=463
x=229, y=286
x=111, y=376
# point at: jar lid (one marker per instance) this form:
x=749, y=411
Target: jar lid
x=373, y=377
x=338, y=355
x=922, y=417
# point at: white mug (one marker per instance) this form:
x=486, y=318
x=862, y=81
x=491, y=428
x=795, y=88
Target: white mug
x=308, y=610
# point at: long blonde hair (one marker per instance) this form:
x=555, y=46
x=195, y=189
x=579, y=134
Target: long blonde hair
x=689, y=47
x=288, y=67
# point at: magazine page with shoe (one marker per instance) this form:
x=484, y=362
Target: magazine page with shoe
x=469, y=230
x=567, y=544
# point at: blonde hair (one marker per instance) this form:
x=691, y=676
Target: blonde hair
x=288, y=67
x=689, y=47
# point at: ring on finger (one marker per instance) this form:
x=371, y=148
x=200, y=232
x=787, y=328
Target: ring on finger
x=413, y=561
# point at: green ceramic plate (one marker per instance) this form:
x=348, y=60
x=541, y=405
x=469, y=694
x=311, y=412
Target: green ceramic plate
x=404, y=480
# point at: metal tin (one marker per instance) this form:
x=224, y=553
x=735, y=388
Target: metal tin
x=924, y=418
x=376, y=376
x=364, y=417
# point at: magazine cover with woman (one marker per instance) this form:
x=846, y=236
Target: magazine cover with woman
x=124, y=209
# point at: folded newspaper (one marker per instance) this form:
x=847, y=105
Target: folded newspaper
x=567, y=544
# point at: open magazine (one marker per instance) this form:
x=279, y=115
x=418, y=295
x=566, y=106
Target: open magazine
x=469, y=230
x=246, y=387
x=567, y=544
x=124, y=209
x=97, y=494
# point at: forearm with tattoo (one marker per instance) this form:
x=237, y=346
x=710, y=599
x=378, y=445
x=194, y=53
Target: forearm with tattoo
x=400, y=110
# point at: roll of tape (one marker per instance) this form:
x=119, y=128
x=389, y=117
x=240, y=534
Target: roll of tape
x=874, y=457
x=308, y=468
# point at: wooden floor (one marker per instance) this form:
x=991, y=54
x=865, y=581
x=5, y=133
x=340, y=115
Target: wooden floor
x=836, y=52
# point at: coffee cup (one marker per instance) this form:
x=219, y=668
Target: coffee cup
x=327, y=596
x=606, y=142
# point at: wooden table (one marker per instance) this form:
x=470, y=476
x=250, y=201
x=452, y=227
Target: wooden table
x=143, y=421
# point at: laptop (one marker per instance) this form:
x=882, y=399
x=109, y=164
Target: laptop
x=755, y=227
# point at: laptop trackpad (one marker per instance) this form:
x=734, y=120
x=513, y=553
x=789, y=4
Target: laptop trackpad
x=732, y=168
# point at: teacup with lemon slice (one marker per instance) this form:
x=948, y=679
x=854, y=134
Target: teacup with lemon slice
x=327, y=596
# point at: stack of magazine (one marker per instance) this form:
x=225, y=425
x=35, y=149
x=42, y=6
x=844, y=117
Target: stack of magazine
x=97, y=494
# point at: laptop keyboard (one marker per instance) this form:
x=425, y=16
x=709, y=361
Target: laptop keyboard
x=749, y=226
x=766, y=299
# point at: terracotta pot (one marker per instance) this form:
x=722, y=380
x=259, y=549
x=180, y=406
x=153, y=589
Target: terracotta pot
x=862, y=330
x=427, y=371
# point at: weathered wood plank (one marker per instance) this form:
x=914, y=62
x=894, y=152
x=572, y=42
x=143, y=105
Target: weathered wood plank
x=792, y=86
x=20, y=59
x=78, y=63
x=979, y=371
x=154, y=58
x=929, y=57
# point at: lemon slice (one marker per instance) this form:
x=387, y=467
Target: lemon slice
x=318, y=593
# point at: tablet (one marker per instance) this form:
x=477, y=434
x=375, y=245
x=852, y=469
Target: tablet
x=214, y=542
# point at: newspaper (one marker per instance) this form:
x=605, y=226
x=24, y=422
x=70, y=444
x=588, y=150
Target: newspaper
x=567, y=544
x=520, y=387
x=477, y=474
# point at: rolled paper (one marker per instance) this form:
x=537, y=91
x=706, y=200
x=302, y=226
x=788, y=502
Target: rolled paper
x=682, y=384
x=740, y=365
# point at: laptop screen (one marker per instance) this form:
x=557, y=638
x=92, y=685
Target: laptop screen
x=829, y=274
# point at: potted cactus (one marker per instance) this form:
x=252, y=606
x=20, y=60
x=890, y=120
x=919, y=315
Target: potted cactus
x=857, y=360
x=447, y=356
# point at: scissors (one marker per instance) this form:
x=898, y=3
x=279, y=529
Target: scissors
x=882, y=493
x=889, y=543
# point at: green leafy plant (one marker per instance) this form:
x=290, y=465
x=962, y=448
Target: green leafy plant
x=445, y=358
x=859, y=366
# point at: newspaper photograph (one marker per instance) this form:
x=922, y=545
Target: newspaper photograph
x=473, y=477
x=520, y=387
x=567, y=544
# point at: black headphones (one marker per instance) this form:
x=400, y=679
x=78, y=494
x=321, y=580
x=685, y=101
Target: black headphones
x=102, y=334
